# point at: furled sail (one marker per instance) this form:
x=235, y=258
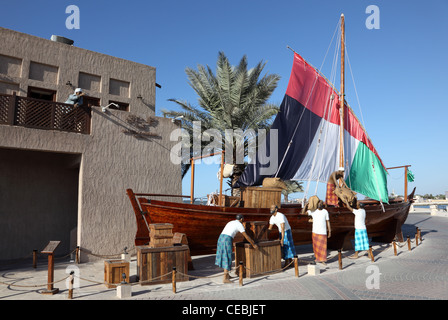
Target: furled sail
x=306, y=144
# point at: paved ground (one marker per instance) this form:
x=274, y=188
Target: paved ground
x=421, y=273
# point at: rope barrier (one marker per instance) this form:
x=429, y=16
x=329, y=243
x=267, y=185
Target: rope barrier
x=34, y=285
x=177, y=274
x=408, y=241
x=104, y=255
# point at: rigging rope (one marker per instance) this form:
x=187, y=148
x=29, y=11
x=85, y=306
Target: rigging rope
x=300, y=119
x=354, y=86
x=326, y=114
x=363, y=127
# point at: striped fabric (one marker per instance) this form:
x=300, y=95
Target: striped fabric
x=331, y=198
x=306, y=136
x=288, y=249
x=224, y=252
x=361, y=240
x=320, y=247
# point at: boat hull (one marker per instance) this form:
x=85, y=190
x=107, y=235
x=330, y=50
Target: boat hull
x=203, y=224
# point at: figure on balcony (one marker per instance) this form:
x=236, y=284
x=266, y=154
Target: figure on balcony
x=70, y=115
x=76, y=98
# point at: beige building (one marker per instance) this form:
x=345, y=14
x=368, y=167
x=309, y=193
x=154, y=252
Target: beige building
x=64, y=171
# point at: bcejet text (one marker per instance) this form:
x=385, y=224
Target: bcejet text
x=231, y=309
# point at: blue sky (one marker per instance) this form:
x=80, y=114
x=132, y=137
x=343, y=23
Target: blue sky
x=400, y=70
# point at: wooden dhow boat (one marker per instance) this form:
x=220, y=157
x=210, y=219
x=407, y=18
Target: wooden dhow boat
x=203, y=224
x=317, y=134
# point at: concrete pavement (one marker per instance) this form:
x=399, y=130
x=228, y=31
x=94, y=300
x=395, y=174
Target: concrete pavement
x=421, y=273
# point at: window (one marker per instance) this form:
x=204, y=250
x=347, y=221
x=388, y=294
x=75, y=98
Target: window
x=42, y=94
x=91, y=101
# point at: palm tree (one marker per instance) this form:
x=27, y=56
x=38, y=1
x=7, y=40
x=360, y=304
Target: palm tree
x=292, y=187
x=235, y=98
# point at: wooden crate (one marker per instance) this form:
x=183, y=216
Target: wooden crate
x=257, y=230
x=268, y=258
x=181, y=238
x=261, y=197
x=155, y=265
x=226, y=201
x=113, y=271
x=160, y=235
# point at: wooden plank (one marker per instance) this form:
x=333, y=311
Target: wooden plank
x=183, y=260
x=163, y=265
x=147, y=249
x=155, y=270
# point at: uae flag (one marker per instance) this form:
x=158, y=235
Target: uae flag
x=304, y=139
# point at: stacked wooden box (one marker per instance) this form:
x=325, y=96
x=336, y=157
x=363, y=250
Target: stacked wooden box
x=261, y=197
x=160, y=235
x=257, y=262
x=166, y=250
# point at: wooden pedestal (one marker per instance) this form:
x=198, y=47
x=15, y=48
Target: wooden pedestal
x=49, y=249
x=155, y=265
x=267, y=258
x=113, y=272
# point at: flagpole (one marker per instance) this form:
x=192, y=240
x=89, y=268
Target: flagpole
x=405, y=179
x=342, y=96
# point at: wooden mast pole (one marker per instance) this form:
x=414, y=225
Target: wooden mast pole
x=192, y=174
x=405, y=184
x=342, y=96
x=192, y=181
x=405, y=179
x=220, y=179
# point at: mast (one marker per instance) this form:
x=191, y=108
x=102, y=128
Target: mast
x=342, y=94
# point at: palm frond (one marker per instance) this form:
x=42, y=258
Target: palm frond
x=232, y=98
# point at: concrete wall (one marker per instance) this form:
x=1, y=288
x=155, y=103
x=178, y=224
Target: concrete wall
x=112, y=158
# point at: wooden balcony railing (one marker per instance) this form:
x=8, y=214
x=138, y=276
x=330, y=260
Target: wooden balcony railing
x=41, y=114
